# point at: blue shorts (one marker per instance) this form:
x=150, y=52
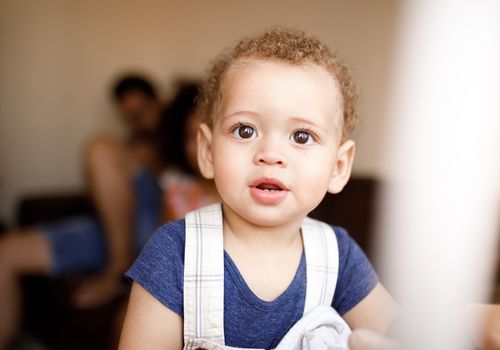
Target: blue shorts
x=79, y=244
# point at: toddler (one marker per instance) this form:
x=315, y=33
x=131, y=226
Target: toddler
x=254, y=271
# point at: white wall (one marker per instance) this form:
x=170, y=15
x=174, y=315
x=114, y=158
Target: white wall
x=57, y=58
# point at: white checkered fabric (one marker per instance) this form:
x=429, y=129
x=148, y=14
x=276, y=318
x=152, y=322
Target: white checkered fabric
x=322, y=262
x=204, y=274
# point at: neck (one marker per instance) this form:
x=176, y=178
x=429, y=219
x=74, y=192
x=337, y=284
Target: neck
x=260, y=238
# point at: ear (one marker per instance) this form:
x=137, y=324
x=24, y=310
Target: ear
x=343, y=166
x=204, y=139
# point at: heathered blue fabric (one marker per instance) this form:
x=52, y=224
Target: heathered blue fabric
x=79, y=244
x=249, y=322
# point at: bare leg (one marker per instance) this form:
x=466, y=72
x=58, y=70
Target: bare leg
x=109, y=169
x=20, y=253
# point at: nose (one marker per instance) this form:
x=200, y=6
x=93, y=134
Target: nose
x=270, y=152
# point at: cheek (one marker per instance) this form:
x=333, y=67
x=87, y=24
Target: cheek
x=230, y=166
x=314, y=185
x=225, y=160
x=315, y=172
x=225, y=179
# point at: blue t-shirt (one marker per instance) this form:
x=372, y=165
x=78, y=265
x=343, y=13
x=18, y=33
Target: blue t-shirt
x=249, y=321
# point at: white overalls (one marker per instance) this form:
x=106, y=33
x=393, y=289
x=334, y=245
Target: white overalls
x=320, y=327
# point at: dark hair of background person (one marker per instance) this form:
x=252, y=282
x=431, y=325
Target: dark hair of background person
x=133, y=83
x=173, y=126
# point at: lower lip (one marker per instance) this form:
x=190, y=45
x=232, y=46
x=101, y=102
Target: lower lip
x=268, y=197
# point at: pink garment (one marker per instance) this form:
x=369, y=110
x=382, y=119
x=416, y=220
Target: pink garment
x=182, y=193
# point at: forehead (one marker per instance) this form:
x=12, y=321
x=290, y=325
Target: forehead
x=275, y=87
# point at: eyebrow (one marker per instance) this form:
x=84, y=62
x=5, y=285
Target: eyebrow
x=306, y=121
x=227, y=116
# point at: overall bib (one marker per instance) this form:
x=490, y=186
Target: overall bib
x=320, y=328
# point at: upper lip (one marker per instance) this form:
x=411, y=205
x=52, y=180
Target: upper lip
x=269, y=181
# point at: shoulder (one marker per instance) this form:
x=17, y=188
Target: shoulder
x=356, y=276
x=342, y=235
x=348, y=248
x=170, y=237
x=160, y=267
x=103, y=148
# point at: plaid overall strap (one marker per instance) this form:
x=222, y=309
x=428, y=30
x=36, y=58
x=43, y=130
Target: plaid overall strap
x=204, y=275
x=322, y=262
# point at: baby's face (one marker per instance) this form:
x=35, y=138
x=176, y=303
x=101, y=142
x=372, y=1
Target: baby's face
x=274, y=146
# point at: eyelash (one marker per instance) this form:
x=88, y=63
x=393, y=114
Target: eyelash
x=235, y=127
x=239, y=125
x=312, y=134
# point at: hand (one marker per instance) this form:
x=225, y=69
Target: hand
x=488, y=337
x=491, y=329
x=97, y=291
x=364, y=339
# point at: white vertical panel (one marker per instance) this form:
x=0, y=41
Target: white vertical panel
x=439, y=232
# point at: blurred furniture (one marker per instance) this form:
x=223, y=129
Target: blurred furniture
x=49, y=314
x=43, y=208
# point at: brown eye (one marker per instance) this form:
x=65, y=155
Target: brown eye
x=302, y=137
x=244, y=132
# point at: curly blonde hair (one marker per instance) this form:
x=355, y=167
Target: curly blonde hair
x=281, y=45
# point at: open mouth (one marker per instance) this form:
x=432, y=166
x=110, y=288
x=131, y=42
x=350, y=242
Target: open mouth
x=269, y=187
x=268, y=191
x=267, y=184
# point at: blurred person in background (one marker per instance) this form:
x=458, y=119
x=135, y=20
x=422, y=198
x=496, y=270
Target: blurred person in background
x=121, y=176
x=184, y=189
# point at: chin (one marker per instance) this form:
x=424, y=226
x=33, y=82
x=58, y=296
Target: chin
x=269, y=222
x=271, y=216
